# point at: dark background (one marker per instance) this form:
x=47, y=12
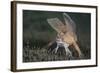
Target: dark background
x=37, y=33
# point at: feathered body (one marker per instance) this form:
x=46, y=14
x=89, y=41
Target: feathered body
x=66, y=33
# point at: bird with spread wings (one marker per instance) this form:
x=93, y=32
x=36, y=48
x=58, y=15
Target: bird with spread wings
x=66, y=33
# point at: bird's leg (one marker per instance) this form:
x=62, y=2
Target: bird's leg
x=68, y=52
x=56, y=48
x=77, y=49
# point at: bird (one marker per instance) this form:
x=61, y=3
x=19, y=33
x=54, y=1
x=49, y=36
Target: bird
x=66, y=33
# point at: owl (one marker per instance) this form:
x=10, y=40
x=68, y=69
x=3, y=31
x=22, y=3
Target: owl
x=66, y=33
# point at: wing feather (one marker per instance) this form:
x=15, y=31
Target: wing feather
x=70, y=25
x=57, y=25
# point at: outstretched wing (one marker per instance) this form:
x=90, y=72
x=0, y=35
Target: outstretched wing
x=70, y=25
x=57, y=25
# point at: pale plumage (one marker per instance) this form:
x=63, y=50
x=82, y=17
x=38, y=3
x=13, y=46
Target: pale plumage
x=66, y=32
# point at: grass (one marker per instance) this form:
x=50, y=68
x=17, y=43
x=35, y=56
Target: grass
x=37, y=54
